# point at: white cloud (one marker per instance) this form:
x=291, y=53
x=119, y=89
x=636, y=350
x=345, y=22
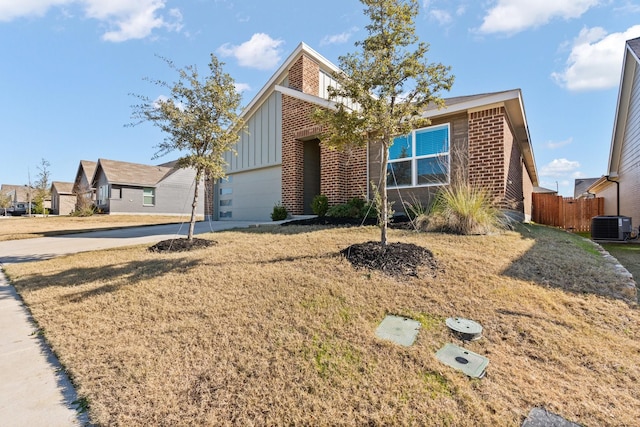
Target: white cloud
x=132, y=20
x=261, y=52
x=559, y=167
x=442, y=16
x=12, y=9
x=557, y=144
x=242, y=87
x=513, y=16
x=125, y=19
x=595, y=60
x=338, y=38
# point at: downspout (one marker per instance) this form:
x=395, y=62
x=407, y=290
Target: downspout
x=617, y=194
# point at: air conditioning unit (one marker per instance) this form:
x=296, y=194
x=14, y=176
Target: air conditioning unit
x=610, y=228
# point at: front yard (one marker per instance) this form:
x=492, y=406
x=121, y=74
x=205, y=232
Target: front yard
x=271, y=326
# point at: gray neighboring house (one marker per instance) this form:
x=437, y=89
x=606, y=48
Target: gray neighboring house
x=63, y=200
x=82, y=184
x=18, y=193
x=132, y=188
x=581, y=188
x=620, y=186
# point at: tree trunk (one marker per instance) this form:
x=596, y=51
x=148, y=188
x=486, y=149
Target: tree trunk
x=194, y=205
x=384, y=213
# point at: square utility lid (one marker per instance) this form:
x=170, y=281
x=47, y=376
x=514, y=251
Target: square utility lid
x=464, y=360
x=400, y=330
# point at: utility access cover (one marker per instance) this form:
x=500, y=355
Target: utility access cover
x=463, y=360
x=400, y=330
x=466, y=329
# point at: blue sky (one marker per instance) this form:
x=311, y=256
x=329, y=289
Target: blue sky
x=68, y=67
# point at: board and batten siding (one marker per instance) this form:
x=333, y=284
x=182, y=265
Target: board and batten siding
x=629, y=173
x=325, y=81
x=260, y=144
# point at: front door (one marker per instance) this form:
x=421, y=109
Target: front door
x=311, y=176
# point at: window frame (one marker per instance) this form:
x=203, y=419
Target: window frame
x=145, y=196
x=414, y=159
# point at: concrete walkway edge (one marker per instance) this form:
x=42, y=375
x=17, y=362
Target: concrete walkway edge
x=34, y=389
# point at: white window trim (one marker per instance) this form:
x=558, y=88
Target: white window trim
x=414, y=159
x=153, y=195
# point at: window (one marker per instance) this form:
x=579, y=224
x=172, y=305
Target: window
x=225, y=202
x=148, y=196
x=420, y=158
x=103, y=194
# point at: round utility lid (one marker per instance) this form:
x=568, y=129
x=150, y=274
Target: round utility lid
x=469, y=329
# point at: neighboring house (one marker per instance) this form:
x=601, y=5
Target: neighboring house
x=620, y=186
x=543, y=190
x=481, y=138
x=131, y=188
x=581, y=188
x=85, y=193
x=63, y=200
x=18, y=193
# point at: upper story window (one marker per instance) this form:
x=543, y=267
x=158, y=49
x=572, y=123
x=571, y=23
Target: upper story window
x=148, y=196
x=420, y=158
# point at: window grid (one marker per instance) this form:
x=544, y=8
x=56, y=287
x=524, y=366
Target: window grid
x=398, y=177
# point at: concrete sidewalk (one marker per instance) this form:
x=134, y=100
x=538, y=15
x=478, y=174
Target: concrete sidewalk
x=34, y=390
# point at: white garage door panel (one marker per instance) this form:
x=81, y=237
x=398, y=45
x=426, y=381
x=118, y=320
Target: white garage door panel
x=255, y=193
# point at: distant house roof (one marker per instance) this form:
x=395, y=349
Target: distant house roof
x=62, y=187
x=86, y=168
x=133, y=174
x=581, y=186
x=544, y=190
x=18, y=193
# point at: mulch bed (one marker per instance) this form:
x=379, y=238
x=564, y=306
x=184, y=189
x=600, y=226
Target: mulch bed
x=181, y=245
x=397, y=259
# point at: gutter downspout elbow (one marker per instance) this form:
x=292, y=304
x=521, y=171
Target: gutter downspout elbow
x=617, y=194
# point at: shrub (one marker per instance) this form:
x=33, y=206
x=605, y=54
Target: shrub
x=320, y=205
x=463, y=209
x=279, y=212
x=354, y=208
x=85, y=211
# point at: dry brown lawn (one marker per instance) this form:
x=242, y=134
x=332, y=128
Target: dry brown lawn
x=14, y=228
x=272, y=327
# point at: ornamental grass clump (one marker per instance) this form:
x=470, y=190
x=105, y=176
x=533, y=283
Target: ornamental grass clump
x=463, y=209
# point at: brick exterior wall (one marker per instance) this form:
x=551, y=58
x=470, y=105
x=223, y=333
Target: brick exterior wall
x=487, y=130
x=343, y=174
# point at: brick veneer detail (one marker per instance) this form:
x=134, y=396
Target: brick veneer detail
x=343, y=175
x=487, y=130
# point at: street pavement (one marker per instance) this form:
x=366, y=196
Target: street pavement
x=34, y=390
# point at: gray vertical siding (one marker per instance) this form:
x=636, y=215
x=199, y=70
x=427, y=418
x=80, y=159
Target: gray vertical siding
x=261, y=144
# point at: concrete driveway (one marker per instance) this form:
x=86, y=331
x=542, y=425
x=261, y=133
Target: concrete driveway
x=13, y=251
x=34, y=390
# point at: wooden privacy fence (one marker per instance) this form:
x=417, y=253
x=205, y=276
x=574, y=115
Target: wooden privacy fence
x=566, y=212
